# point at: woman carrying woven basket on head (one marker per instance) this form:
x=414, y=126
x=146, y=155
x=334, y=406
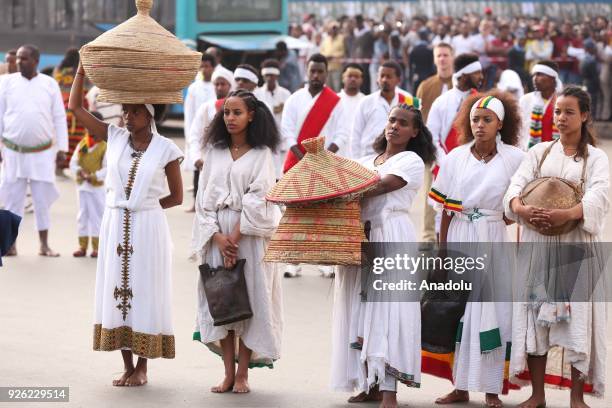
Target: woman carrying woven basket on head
x=469, y=191
x=234, y=222
x=133, y=308
x=387, y=333
x=550, y=335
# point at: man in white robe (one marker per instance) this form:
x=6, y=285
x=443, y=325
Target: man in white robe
x=373, y=110
x=468, y=77
x=351, y=95
x=34, y=137
x=275, y=96
x=316, y=110
x=537, y=106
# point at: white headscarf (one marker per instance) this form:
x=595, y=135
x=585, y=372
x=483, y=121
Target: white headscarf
x=151, y=110
x=510, y=81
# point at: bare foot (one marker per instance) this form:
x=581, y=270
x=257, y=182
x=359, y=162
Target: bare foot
x=493, y=401
x=373, y=395
x=94, y=254
x=533, y=402
x=389, y=400
x=225, y=386
x=79, y=253
x=120, y=382
x=12, y=251
x=138, y=378
x=241, y=385
x=578, y=403
x=46, y=251
x=454, y=397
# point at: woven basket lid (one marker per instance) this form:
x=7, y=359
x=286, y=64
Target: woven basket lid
x=139, y=61
x=324, y=233
x=321, y=175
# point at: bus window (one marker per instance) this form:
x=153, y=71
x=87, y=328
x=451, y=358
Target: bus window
x=19, y=13
x=105, y=11
x=222, y=11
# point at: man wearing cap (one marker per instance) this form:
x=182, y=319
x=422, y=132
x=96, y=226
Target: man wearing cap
x=374, y=109
x=467, y=79
x=312, y=111
x=537, y=107
x=246, y=77
x=222, y=82
x=34, y=135
x=275, y=96
x=351, y=95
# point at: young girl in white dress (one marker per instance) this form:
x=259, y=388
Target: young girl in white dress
x=388, y=333
x=133, y=309
x=563, y=343
x=233, y=221
x=469, y=191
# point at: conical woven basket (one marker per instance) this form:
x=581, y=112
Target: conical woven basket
x=139, y=61
x=321, y=175
x=324, y=233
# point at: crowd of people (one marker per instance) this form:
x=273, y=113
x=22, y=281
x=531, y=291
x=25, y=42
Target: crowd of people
x=471, y=147
x=583, y=49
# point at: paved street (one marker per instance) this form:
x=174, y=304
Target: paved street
x=46, y=309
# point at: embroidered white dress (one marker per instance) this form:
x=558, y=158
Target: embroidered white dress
x=391, y=331
x=133, y=309
x=230, y=192
x=479, y=189
x=581, y=339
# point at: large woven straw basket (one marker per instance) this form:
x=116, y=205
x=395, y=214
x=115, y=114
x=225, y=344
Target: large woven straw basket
x=139, y=61
x=324, y=233
x=321, y=175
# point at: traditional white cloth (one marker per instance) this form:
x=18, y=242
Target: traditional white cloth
x=31, y=121
x=133, y=308
x=231, y=192
x=546, y=70
x=527, y=104
x=198, y=93
x=510, y=81
x=276, y=103
x=202, y=120
x=350, y=104
x=480, y=188
x=441, y=117
x=579, y=341
x=221, y=71
x=91, y=198
x=370, y=120
x=468, y=69
x=241, y=73
x=297, y=107
x=391, y=331
x=491, y=103
x=43, y=195
x=111, y=112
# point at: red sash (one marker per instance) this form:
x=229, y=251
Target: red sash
x=219, y=104
x=547, y=121
x=313, y=124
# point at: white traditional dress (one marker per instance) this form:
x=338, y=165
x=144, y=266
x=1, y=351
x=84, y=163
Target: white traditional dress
x=234, y=191
x=578, y=336
x=391, y=331
x=133, y=309
x=198, y=93
x=473, y=191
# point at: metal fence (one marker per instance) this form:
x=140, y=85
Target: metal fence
x=559, y=9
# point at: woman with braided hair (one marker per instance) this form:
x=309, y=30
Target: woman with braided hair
x=469, y=191
x=375, y=344
x=233, y=221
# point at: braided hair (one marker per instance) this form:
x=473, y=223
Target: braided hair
x=261, y=131
x=421, y=144
x=587, y=137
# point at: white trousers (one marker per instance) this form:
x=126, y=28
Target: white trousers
x=388, y=384
x=43, y=195
x=91, y=209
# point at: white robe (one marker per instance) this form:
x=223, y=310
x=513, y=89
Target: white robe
x=441, y=117
x=232, y=191
x=370, y=120
x=141, y=322
x=297, y=107
x=481, y=188
x=203, y=118
x=350, y=104
x=198, y=93
x=391, y=331
x=580, y=342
